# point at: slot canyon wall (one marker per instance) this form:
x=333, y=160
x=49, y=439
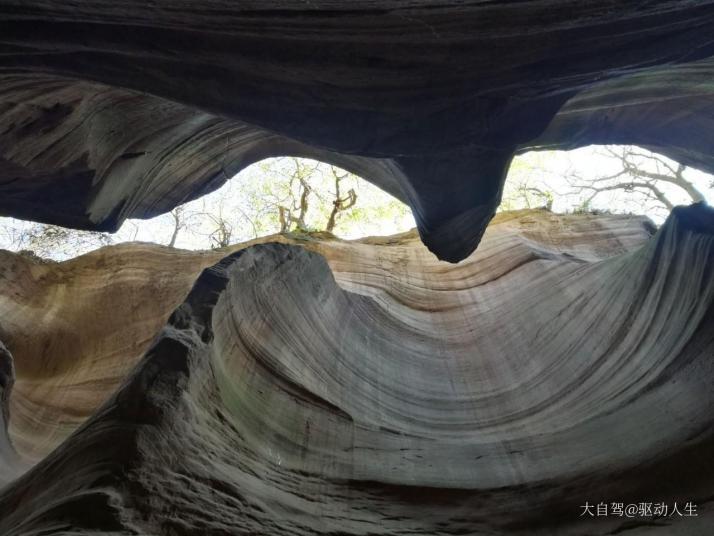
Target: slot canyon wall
x=314, y=386
x=317, y=386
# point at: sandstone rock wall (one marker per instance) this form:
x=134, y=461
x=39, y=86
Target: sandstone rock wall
x=329, y=387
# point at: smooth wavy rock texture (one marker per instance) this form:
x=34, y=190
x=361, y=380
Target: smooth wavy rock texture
x=127, y=108
x=315, y=386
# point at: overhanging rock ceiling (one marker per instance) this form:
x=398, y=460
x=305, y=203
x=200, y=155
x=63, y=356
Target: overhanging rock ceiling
x=110, y=110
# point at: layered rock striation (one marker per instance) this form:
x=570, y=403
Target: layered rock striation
x=318, y=386
x=313, y=386
x=127, y=109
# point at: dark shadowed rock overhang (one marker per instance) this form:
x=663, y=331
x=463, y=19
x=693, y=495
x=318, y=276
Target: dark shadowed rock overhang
x=110, y=110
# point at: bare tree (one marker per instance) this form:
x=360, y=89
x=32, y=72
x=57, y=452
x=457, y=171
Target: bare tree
x=186, y=220
x=297, y=212
x=641, y=173
x=284, y=217
x=179, y=222
x=294, y=213
x=528, y=195
x=212, y=223
x=340, y=204
x=221, y=235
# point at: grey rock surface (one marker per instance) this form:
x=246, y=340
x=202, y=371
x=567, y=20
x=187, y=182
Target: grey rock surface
x=110, y=110
x=366, y=388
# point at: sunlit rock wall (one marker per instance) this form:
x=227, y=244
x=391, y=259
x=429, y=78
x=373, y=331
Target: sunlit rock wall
x=317, y=386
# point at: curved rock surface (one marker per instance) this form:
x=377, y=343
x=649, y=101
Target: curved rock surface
x=329, y=387
x=111, y=110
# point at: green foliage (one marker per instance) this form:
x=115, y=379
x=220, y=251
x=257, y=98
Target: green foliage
x=252, y=201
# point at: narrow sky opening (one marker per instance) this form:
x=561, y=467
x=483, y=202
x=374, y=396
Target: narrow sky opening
x=299, y=195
